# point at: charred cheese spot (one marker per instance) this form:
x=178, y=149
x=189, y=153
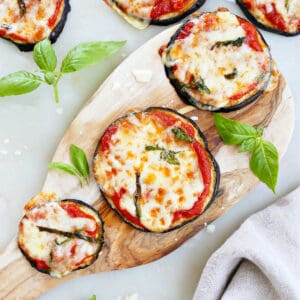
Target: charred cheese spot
x=220, y=65
x=58, y=237
x=153, y=183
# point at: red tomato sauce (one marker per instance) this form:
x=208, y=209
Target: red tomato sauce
x=75, y=212
x=52, y=20
x=274, y=17
x=251, y=39
x=185, y=31
x=239, y=95
x=42, y=265
x=106, y=139
x=116, y=198
x=164, y=7
x=14, y=36
x=205, y=167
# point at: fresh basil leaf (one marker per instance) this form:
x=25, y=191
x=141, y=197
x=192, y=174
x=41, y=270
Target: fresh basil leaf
x=79, y=160
x=264, y=163
x=233, y=132
x=169, y=157
x=199, y=85
x=238, y=43
x=260, y=130
x=181, y=135
x=86, y=54
x=247, y=145
x=18, y=83
x=44, y=56
x=67, y=169
x=153, y=148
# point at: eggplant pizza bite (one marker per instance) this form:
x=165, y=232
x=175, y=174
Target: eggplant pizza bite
x=154, y=168
x=141, y=13
x=279, y=16
x=26, y=22
x=58, y=237
x=218, y=61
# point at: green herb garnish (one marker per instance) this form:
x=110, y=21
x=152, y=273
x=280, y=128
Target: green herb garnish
x=79, y=167
x=22, y=7
x=181, y=135
x=231, y=75
x=81, y=56
x=169, y=157
x=238, y=43
x=199, y=85
x=137, y=195
x=153, y=148
x=93, y=297
x=264, y=161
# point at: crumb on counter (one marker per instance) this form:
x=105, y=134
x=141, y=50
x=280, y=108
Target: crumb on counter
x=142, y=76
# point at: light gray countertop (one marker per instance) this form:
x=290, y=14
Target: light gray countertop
x=32, y=125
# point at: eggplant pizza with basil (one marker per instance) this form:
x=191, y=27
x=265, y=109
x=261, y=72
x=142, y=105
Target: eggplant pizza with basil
x=218, y=61
x=141, y=13
x=58, y=237
x=279, y=16
x=154, y=168
x=26, y=22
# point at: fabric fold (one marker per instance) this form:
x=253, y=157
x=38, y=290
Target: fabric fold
x=261, y=260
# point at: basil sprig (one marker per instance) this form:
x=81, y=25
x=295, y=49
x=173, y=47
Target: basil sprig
x=264, y=161
x=166, y=155
x=81, y=56
x=181, y=135
x=238, y=43
x=79, y=167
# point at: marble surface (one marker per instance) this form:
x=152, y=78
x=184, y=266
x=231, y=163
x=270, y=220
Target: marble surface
x=32, y=125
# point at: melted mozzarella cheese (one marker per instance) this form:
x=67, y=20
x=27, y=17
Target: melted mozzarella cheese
x=289, y=11
x=197, y=54
x=165, y=188
x=33, y=25
x=52, y=215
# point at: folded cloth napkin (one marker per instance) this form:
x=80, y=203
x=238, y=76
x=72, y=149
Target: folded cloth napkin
x=261, y=260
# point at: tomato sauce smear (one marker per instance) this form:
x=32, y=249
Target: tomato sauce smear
x=165, y=7
x=52, y=20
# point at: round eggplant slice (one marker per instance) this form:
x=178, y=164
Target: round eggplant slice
x=154, y=169
x=218, y=61
x=27, y=22
x=59, y=237
x=278, y=16
x=141, y=13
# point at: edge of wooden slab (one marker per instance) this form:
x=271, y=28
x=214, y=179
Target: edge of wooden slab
x=18, y=278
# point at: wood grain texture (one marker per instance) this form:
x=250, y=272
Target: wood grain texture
x=126, y=247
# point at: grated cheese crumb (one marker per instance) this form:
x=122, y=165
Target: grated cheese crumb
x=211, y=228
x=59, y=110
x=142, y=75
x=194, y=118
x=132, y=297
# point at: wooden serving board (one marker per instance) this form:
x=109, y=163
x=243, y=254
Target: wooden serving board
x=126, y=247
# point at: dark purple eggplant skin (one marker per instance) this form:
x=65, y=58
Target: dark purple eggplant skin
x=214, y=164
x=172, y=20
x=188, y=99
x=100, y=240
x=54, y=34
x=261, y=25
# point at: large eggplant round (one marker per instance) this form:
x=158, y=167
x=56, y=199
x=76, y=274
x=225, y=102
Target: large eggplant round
x=154, y=169
x=59, y=237
x=162, y=12
x=262, y=16
x=32, y=22
x=218, y=61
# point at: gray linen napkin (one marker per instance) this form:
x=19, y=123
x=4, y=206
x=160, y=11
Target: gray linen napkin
x=261, y=260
